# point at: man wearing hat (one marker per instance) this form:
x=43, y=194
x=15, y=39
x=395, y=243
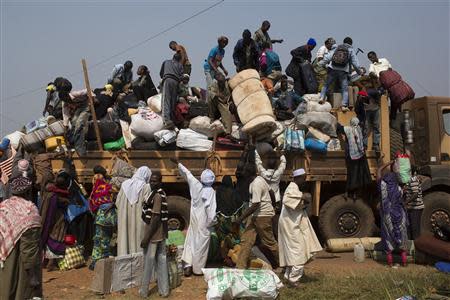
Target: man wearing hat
x=300, y=55
x=296, y=237
x=20, y=228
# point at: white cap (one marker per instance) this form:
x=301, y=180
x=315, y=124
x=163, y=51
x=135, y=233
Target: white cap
x=299, y=172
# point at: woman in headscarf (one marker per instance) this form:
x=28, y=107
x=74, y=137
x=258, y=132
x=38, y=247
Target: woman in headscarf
x=358, y=172
x=20, y=255
x=132, y=194
x=102, y=205
x=54, y=226
x=203, y=213
x=394, y=224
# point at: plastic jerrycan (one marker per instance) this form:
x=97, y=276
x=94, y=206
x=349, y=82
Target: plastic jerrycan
x=359, y=253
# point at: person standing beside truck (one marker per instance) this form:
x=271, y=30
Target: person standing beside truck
x=414, y=204
x=155, y=217
x=338, y=62
x=393, y=214
x=202, y=220
x=214, y=61
x=296, y=237
x=261, y=212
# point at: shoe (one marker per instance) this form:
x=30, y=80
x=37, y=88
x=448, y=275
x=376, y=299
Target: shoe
x=390, y=259
x=345, y=109
x=188, y=272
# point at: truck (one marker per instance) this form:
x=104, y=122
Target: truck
x=338, y=216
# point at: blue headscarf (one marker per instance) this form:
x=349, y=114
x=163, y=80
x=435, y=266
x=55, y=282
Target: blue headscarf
x=312, y=42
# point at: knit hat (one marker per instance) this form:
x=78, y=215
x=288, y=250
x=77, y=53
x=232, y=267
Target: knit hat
x=4, y=144
x=363, y=94
x=23, y=165
x=312, y=42
x=20, y=185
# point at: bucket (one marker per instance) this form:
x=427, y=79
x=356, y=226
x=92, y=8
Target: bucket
x=253, y=105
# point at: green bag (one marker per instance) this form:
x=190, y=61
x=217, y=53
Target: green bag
x=116, y=145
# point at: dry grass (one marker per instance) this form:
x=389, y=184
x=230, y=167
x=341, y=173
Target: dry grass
x=378, y=284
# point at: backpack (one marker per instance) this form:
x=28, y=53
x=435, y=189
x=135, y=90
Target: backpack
x=341, y=56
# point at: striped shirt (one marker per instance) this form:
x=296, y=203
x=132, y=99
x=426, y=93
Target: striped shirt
x=6, y=167
x=412, y=188
x=156, y=204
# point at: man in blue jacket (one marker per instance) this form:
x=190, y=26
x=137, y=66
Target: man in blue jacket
x=246, y=53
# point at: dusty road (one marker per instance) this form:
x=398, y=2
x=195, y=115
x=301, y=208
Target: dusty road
x=324, y=271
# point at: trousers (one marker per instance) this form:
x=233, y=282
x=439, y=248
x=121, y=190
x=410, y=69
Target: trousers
x=155, y=261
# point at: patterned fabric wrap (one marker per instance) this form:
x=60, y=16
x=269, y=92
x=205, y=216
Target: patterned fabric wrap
x=105, y=221
x=393, y=215
x=101, y=194
x=72, y=259
x=17, y=215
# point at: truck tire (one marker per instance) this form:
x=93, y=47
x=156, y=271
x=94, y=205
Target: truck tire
x=179, y=212
x=436, y=211
x=342, y=217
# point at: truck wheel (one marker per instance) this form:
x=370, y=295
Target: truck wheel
x=179, y=211
x=436, y=211
x=342, y=217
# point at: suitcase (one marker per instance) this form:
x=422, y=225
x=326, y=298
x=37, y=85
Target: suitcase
x=389, y=78
x=309, y=80
x=109, y=131
x=198, y=109
x=399, y=93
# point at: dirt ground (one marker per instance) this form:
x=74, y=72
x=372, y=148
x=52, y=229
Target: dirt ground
x=327, y=271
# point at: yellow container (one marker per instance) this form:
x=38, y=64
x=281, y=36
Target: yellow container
x=52, y=143
x=132, y=111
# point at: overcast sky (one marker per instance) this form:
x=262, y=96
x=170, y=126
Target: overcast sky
x=41, y=40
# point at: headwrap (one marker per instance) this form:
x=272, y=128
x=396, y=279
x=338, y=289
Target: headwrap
x=20, y=185
x=312, y=42
x=354, y=139
x=50, y=88
x=132, y=187
x=17, y=215
x=185, y=76
x=299, y=172
x=101, y=194
x=209, y=195
x=23, y=166
x=331, y=40
x=4, y=144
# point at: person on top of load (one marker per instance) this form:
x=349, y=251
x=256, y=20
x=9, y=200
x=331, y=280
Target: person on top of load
x=321, y=71
x=121, y=75
x=262, y=35
x=377, y=65
x=220, y=97
x=187, y=93
x=144, y=87
x=338, y=62
x=246, y=53
x=171, y=73
x=202, y=220
x=187, y=68
x=155, y=217
x=214, y=61
x=76, y=114
x=269, y=61
x=285, y=99
x=53, y=105
x=296, y=237
x=300, y=55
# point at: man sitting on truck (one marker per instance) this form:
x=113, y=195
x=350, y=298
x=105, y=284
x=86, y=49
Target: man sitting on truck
x=121, y=75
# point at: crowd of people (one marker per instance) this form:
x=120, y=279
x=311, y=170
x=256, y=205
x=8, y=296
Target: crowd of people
x=36, y=208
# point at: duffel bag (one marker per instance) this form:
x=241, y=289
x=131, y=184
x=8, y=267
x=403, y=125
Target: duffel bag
x=199, y=108
x=400, y=92
x=388, y=78
x=34, y=142
x=315, y=145
x=115, y=145
x=145, y=123
x=323, y=121
x=294, y=140
x=308, y=78
x=109, y=131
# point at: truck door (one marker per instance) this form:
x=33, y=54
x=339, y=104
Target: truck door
x=445, y=140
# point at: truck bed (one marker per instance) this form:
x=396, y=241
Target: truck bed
x=329, y=167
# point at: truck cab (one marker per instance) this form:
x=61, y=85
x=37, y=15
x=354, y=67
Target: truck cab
x=429, y=122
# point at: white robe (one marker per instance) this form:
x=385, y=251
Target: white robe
x=129, y=222
x=198, y=235
x=297, y=240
